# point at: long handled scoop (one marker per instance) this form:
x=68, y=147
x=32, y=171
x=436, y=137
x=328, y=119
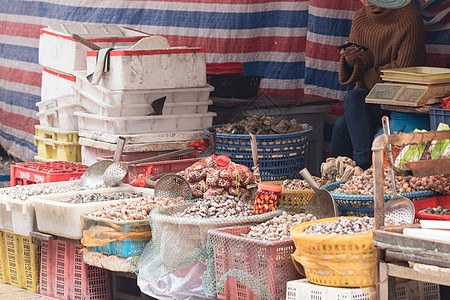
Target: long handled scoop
x=115, y=172
x=93, y=176
x=321, y=204
x=399, y=209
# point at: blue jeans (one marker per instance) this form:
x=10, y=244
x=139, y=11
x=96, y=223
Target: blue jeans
x=353, y=132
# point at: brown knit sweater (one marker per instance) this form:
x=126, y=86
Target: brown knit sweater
x=395, y=38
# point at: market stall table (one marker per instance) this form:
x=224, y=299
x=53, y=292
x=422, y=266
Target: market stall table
x=430, y=259
x=304, y=110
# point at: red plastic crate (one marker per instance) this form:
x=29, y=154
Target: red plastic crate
x=44, y=172
x=268, y=263
x=432, y=202
x=64, y=275
x=180, y=162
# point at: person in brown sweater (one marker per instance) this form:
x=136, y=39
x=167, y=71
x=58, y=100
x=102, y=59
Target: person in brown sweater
x=394, y=34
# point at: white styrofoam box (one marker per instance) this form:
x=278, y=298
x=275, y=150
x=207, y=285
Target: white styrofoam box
x=55, y=215
x=57, y=49
x=143, y=124
x=110, y=97
x=61, y=117
x=176, y=67
x=303, y=290
x=56, y=84
x=97, y=107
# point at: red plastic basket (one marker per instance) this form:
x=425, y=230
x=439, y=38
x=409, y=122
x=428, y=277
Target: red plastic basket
x=432, y=202
x=44, y=172
x=269, y=263
x=180, y=162
x=64, y=275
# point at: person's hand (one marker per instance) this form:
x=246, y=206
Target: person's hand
x=351, y=54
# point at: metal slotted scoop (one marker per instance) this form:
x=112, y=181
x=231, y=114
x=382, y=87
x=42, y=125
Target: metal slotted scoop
x=398, y=210
x=115, y=172
x=321, y=205
x=173, y=186
x=93, y=176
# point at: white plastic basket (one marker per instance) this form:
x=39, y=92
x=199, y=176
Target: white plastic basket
x=143, y=124
x=55, y=84
x=177, y=67
x=57, y=49
x=54, y=114
x=110, y=97
x=55, y=215
x=303, y=290
x=97, y=107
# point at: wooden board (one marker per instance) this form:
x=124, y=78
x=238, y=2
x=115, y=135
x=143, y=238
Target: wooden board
x=422, y=250
x=429, y=167
x=394, y=255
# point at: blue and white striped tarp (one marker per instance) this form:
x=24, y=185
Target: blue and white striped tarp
x=291, y=43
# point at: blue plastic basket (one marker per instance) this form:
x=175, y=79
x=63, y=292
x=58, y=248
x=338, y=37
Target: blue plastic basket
x=362, y=205
x=121, y=248
x=280, y=156
x=439, y=115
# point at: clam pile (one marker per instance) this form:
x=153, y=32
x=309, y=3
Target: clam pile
x=440, y=210
x=342, y=225
x=278, y=228
x=221, y=206
x=23, y=192
x=98, y=197
x=260, y=125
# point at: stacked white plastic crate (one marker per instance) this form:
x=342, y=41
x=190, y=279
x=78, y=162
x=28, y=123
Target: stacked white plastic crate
x=61, y=56
x=123, y=103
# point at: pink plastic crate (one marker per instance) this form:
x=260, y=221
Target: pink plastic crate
x=267, y=262
x=64, y=275
x=175, y=163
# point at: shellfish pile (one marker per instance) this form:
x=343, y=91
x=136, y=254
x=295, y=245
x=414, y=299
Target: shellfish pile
x=278, y=228
x=364, y=184
x=260, y=125
x=222, y=206
x=134, y=210
x=342, y=225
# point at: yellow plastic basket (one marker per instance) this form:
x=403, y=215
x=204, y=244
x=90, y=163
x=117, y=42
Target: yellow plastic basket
x=4, y=276
x=335, y=260
x=22, y=260
x=294, y=200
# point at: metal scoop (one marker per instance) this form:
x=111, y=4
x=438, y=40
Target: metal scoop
x=173, y=186
x=398, y=210
x=93, y=176
x=114, y=173
x=321, y=205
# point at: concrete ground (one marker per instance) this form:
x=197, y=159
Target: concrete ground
x=9, y=292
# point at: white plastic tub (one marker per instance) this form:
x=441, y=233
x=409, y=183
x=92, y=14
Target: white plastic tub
x=57, y=49
x=18, y=215
x=56, y=216
x=5, y=217
x=177, y=67
x=52, y=114
x=97, y=107
x=140, y=96
x=55, y=84
x=144, y=124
